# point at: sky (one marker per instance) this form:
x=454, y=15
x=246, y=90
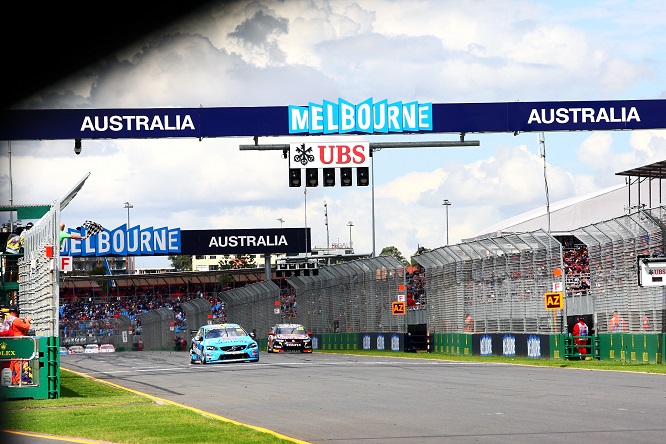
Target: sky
x=277, y=53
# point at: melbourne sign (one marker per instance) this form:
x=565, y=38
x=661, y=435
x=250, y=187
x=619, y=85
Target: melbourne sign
x=164, y=241
x=121, y=241
x=366, y=117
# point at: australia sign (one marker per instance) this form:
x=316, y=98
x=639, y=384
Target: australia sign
x=246, y=241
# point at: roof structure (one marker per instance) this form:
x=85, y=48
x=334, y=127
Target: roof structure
x=176, y=278
x=650, y=173
x=655, y=170
x=565, y=215
x=643, y=189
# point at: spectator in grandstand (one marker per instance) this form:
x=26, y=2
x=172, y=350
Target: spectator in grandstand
x=410, y=300
x=469, y=323
x=17, y=327
x=580, y=329
x=577, y=270
x=617, y=323
x=65, y=235
x=416, y=285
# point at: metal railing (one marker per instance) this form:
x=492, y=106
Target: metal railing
x=589, y=349
x=355, y=296
x=498, y=281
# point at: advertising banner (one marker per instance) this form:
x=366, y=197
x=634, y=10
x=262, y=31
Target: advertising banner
x=333, y=117
x=164, y=241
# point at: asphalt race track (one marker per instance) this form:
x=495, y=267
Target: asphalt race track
x=328, y=398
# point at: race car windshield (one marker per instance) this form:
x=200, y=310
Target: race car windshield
x=291, y=331
x=224, y=333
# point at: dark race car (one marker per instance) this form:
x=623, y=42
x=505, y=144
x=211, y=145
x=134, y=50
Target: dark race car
x=284, y=338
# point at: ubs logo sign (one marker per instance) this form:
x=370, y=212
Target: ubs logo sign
x=329, y=155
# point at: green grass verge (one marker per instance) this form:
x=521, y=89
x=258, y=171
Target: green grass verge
x=97, y=411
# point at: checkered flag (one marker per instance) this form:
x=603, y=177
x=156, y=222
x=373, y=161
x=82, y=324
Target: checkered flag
x=92, y=228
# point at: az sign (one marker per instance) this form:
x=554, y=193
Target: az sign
x=554, y=300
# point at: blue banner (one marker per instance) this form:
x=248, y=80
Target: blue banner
x=164, y=241
x=341, y=117
x=123, y=242
x=246, y=241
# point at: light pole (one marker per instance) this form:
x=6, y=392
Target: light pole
x=279, y=219
x=350, y=224
x=328, y=243
x=127, y=260
x=372, y=168
x=447, y=204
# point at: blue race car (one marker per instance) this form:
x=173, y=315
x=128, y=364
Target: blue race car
x=223, y=343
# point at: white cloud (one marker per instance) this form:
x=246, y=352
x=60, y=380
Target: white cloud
x=648, y=146
x=262, y=53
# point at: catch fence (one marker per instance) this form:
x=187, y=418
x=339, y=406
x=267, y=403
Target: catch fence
x=38, y=294
x=39, y=276
x=253, y=306
x=101, y=331
x=354, y=296
x=614, y=247
x=497, y=283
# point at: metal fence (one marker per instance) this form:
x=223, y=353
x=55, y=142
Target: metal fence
x=38, y=275
x=114, y=331
x=613, y=249
x=354, y=296
x=39, y=290
x=157, y=329
x=197, y=313
x=254, y=307
x=497, y=283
